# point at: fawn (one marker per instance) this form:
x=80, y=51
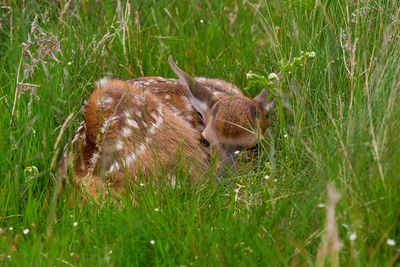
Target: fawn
x=232, y=122
x=137, y=126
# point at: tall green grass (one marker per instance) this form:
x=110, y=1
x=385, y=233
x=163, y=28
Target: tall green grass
x=341, y=112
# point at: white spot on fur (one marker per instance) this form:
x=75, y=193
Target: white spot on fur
x=138, y=99
x=141, y=149
x=216, y=93
x=75, y=138
x=127, y=114
x=158, y=120
x=234, y=90
x=218, y=83
x=81, y=125
x=130, y=158
x=156, y=124
x=138, y=113
x=107, y=124
x=151, y=81
x=174, y=81
x=102, y=103
x=114, y=167
x=125, y=132
x=137, y=84
x=188, y=117
x=119, y=145
x=94, y=158
x=147, y=139
x=161, y=79
x=201, y=79
x=167, y=97
x=102, y=81
x=132, y=123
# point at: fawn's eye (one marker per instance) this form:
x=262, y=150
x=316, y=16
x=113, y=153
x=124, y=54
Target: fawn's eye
x=204, y=141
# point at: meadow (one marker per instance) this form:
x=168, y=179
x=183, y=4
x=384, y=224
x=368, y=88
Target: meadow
x=325, y=190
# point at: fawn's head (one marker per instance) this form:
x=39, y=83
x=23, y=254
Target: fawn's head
x=232, y=122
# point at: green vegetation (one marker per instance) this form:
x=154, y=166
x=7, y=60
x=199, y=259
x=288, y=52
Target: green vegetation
x=338, y=122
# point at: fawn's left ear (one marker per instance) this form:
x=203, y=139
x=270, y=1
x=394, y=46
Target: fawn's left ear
x=265, y=101
x=201, y=97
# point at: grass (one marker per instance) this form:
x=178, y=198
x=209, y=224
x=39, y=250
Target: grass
x=340, y=111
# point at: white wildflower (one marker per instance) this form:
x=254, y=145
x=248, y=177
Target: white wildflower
x=26, y=231
x=353, y=236
x=391, y=242
x=266, y=177
x=250, y=75
x=273, y=76
x=236, y=152
x=75, y=224
x=110, y=252
x=11, y=228
x=152, y=242
x=321, y=205
x=156, y=209
x=201, y=21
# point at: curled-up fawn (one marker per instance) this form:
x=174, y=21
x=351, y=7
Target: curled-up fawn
x=149, y=123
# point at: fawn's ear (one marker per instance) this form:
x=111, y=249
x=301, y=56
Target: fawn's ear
x=265, y=101
x=200, y=96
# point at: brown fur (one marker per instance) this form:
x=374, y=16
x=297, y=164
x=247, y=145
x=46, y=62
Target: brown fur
x=132, y=132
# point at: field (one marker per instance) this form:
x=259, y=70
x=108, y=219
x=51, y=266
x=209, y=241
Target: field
x=325, y=189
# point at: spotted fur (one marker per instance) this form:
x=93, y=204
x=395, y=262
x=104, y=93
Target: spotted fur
x=127, y=131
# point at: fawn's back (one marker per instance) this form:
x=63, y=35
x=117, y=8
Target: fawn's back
x=127, y=131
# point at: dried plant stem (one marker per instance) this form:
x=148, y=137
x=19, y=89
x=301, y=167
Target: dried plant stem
x=375, y=148
x=52, y=213
x=330, y=243
x=16, y=87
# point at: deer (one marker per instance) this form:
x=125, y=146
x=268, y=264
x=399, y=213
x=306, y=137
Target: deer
x=232, y=123
x=133, y=127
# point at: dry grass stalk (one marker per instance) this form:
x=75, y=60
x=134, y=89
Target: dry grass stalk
x=64, y=10
x=330, y=243
x=47, y=45
x=52, y=213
